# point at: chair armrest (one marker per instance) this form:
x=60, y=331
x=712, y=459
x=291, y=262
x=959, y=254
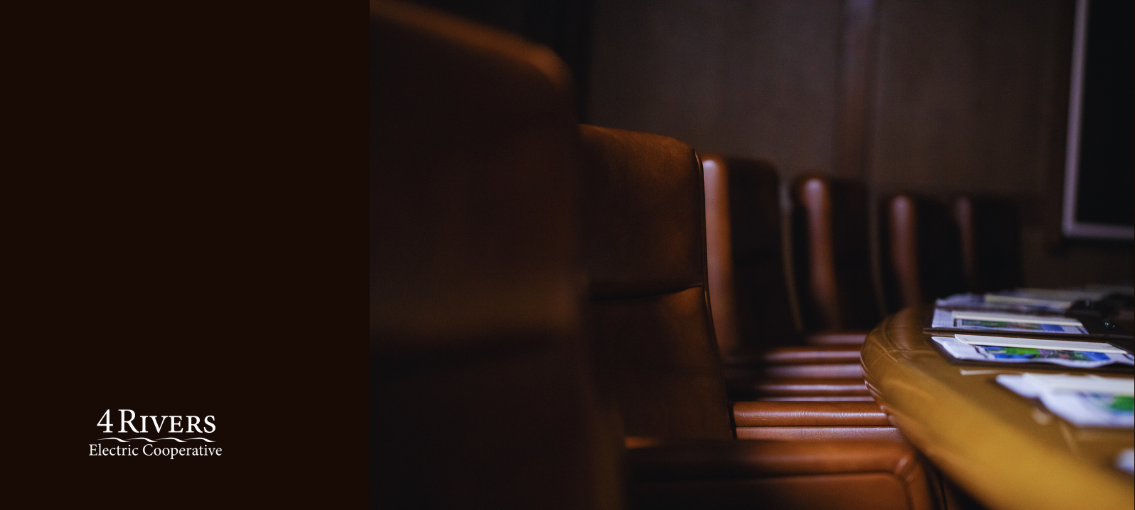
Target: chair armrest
x=809, y=414
x=812, y=354
x=796, y=354
x=777, y=474
x=814, y=370
x=699, y=459
x=836, y=338
x=798, y=386
x=755, y=385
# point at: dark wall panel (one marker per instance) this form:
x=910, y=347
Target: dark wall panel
x=964, y=95
x=752, y=79
x=961, y=96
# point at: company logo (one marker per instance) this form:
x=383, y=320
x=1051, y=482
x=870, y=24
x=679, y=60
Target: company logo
x=163, y=424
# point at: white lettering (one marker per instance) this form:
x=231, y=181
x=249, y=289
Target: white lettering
x=125, y=422
x=106, y=418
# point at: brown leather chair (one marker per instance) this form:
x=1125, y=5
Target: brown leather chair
x=812, y=420
x=831, y=251
x=654, y=335
x=990, y=242
x=481, y=391
x=645, y=253
x=765, y=356
x=920, y=251
x=481, y=395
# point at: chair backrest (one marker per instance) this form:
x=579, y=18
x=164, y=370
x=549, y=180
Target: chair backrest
x=990, y=242
x=644, y=223
x=752, y=308
x=920, y=251
x=832, y=254
x=481, y=392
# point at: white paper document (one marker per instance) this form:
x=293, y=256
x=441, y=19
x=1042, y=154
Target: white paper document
x=1083, y=400
x=1033, y=350
x=1024, y=300
x=994, y=300
x=1039, y=343
x=1006, y=322
x=1063, y=296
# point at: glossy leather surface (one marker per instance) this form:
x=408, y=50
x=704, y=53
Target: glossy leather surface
x=824, y=361
x=814, y=370
x=482, y=396
x=783, y=414
x=746, y=194
x=747, y=384
x=868, y=491
x=747, y=283
x=759, y=363
x=812, y=354
x=778, y=474
x=813, y=398
x=834, y=386
x=720, y=268
x=835, y=338
x=645, y=250
x=832, y=254
x=664, y=383
x=657, y=353
x=920, y=251
x=480, y=392
x=652, y=237
x=812, y=421
x=690, y=460
x=818, y=433
x=480, y=94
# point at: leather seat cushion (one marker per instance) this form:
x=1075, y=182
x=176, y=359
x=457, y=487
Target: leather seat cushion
x=790, y=414
x=777, y=474
x=818, y=433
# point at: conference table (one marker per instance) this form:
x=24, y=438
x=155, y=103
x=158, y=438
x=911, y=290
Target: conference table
x=1006, y=451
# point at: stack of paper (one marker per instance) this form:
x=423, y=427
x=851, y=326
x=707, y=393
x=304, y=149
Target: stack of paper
x=1000, y=321
x=1030, y=300
x=1053, y=299
x=991, y=302
x=965, y=299
x=1083, y=400
x=1066, y=353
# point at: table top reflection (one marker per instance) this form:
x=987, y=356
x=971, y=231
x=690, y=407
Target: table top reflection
x=1007, y=451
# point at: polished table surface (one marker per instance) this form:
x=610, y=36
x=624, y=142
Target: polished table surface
x=1005, y=450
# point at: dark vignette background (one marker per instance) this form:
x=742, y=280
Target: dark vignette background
x=187, y=197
